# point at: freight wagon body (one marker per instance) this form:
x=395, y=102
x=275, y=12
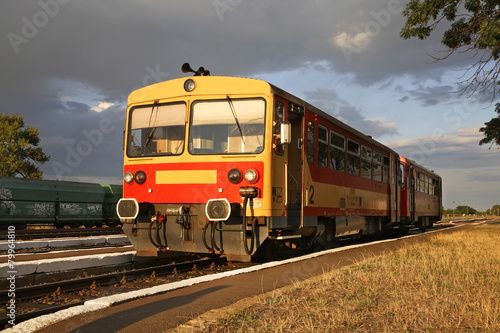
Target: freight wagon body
x=112, y=194
x=24, y=201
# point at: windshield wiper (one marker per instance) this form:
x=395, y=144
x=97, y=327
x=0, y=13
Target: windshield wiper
x=150, y=135
x=235, y=117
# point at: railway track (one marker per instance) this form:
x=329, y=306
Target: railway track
x=29, y=234
x=37, y=300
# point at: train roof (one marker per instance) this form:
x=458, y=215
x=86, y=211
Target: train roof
x=175, y=88
x=412, y=162
x=330, y=118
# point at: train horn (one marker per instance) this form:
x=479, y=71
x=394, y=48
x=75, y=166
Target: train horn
x=186, y=67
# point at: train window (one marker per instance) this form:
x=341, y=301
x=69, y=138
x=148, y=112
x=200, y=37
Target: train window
x=422, y=183
x=419, y=182
x=337, y=152
x=227, y=126
x=157, y=130
x=377, y=166
x=436, y=187
x=322, y=146
x=279, y=108
x=431, y=186
x=386, y=169
x=353, y=157
x=278, y=116
x=310, y=142
x=366, y=162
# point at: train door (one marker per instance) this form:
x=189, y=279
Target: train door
x=294, y=163
x=394, y=190
x=412, y=193
x=403, y=178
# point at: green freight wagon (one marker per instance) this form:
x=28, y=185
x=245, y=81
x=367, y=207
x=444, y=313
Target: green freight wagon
x=113, y=193
x=25, y=201
x=79, y=203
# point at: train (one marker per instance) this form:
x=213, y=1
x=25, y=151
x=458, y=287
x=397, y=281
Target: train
x=237, y=166
x=58, y=203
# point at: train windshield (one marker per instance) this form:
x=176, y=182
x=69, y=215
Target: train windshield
x=157, y=130
x=227, y=126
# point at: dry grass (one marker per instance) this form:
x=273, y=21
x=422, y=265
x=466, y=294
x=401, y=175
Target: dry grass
x=450, y=283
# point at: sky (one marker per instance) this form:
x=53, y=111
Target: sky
x=68, y=66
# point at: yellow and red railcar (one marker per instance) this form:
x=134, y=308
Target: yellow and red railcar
x=231, y=165
x=421, y=200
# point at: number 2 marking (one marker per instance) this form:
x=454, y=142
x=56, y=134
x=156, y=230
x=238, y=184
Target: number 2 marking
x=311, y=196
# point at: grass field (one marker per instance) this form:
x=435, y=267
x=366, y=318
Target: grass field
x=449, y=283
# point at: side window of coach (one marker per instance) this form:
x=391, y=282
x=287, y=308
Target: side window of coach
x=310, y=142
x=366, y=162
x=353, y=157
x=337, y=151
x=377, y=166
x=386, y=168
x=322, y=146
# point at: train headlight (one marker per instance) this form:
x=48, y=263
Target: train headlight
x=127, y=209
x=189, y=85
x=128, y=177
x=140, y=177
x=234, y=176
x=218, y=209
x=251, y=176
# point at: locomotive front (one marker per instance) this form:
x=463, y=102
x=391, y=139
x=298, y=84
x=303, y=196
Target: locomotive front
x=197, y=169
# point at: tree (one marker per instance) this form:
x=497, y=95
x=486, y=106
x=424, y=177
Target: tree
x=495, y=210
x=19, y=149
x=465, y=210
x=474, y=26
x=492, y=130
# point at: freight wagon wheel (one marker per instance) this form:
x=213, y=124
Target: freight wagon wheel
x=59, y=225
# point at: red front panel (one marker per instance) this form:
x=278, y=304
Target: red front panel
x=214, y=182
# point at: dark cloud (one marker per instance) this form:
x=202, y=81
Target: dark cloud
x=430, y=95
x=82, y=144
x=114, y=44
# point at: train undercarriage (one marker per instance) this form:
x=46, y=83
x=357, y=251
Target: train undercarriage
x=163, y=228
